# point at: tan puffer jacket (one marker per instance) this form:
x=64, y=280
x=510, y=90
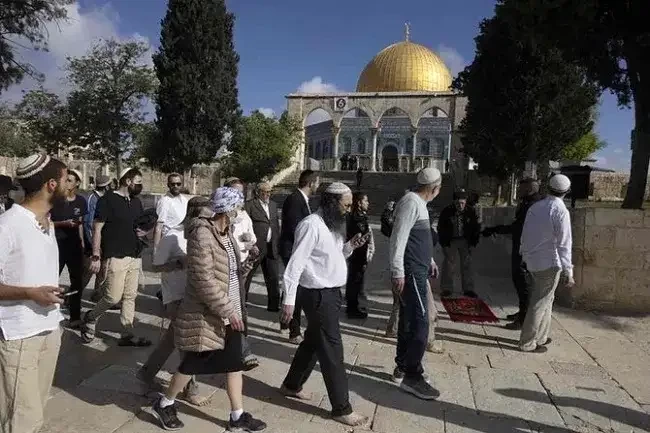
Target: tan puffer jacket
x=199, y=326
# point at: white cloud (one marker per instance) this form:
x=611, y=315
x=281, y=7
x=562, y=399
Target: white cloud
x=452, y=58
x=268, y=112
x=619, y=150
x=71, y=38
x=317, y=85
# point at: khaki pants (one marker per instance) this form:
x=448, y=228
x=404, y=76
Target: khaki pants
x=431, y=307
x=26, y=372
x=537, y=323
x=459, y=249
x=122, y=278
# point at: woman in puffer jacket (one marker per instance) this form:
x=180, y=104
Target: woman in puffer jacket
x=209, y=328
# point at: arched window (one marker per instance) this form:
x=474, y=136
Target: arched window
x=346, y=148
x=361, y=146
x=424, y=147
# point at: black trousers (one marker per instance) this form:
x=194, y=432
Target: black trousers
x=521, y=282
x=71, y=255
x=294, y=325
x=271, y=272
x=322, y=343
x=355, y=294
x=413, y=325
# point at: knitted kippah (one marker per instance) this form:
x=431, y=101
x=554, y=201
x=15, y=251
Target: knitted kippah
x=31, y=165
x=428, y=175
x=338, y=188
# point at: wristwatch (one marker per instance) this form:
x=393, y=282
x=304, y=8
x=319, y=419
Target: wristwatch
x=95, y=258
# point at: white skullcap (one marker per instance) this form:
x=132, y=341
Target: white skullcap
x=31, y=165
x=559, y=183
x=338, y=188
x=77, y=173
x=124, y=172
x=427, y=176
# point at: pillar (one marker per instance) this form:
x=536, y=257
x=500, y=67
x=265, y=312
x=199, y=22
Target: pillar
x=335, y=132
x=373, y=162
x=414, y=138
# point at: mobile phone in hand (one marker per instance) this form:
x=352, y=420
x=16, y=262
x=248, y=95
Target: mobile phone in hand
x=66, y=294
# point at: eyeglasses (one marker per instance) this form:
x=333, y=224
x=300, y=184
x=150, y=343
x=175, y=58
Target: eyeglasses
x=175, y=184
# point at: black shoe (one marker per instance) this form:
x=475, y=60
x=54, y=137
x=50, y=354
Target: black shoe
x=420, y=388
x=513, y=317
x=357, y=314
x=167, y=416
x=446, y=294
x=470, y=294
x=251, y=363
x=246, y=423
x=547, y=342
x=398, y=375
x=540, y=349
x=514, y=326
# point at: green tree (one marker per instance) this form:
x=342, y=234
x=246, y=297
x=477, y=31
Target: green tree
x=610, y=39
x=524, y=101
x=586, y=146
x=111, y=85
x=25, y=20
x=197, y=68
x=262, y=146
x=15, y=140
x=47, y=120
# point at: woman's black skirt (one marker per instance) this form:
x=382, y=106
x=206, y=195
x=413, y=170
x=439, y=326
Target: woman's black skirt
x=227, y=360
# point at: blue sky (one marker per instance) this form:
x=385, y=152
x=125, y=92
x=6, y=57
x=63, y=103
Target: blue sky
x=287, y=44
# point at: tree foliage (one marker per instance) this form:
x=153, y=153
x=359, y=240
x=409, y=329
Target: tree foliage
x=20, y=21
x=110, y=87
x=262, y=146
x=524, y=101
x=586, y=146
x=14, y=138
x=46, y=118
x=610, y=39
x=197, y=68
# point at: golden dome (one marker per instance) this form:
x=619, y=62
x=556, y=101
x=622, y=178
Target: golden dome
x=405, y=67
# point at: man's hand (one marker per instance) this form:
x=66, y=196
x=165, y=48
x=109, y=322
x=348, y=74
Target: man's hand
x=398, y=285
x=359, y=240
x=569, y=282
x=94, y=266
x=287, y=313
x=434, y=270
x=45, y=295
x=140, y=233
x=236, y=323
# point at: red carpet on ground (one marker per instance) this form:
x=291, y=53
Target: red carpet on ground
x=468, y=310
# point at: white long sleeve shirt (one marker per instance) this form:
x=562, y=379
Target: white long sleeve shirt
x=242, y=231
x=318, y=260
x=546, y=239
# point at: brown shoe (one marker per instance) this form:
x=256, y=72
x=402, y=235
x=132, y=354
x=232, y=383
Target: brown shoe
x=299, y=395
x=353, y=420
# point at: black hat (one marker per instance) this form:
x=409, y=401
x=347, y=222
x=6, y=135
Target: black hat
x=461, y=194
x=7, y=183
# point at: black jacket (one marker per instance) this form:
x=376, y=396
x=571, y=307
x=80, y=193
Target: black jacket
x=471, y=226
x=261, y=224
x=294, y=210
x=517, y=226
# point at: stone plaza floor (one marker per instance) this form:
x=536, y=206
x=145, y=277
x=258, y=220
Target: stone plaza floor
x=594, y=378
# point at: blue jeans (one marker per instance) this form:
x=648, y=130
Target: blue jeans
x=413, y=329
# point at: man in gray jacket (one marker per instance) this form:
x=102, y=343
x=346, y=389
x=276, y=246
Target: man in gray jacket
x=411, y=266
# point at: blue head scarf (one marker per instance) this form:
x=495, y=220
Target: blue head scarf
x=226, y=199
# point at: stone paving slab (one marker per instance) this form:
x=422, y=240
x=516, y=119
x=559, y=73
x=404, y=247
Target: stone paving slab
x=592, y=403
x=476, y=423
x=497, y=392
x=576, y=369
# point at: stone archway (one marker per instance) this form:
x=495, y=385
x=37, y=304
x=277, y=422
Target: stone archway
x=390, y=158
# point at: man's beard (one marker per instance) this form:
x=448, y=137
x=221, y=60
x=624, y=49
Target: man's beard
x=175, y=192
x=58, y=196
x=334, y=220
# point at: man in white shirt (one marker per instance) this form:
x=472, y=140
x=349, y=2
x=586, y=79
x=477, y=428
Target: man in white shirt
x=546, y=249
x=171, y=208
x=318, y=266
x=30, y=295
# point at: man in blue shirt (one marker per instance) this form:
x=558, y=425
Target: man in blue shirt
x=102, y=185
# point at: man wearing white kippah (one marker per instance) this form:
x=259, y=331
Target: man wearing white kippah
x=30, y=296
x=318, y=266
x=411, y=266
x=546, y=249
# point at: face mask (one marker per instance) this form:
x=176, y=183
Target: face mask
x=135, y=189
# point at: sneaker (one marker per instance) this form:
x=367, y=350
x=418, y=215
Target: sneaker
x=246, y=423
x=398, y=376
x=421, y=389
x=167, y=416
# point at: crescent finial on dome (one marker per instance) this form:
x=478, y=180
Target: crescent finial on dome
x=407, y=28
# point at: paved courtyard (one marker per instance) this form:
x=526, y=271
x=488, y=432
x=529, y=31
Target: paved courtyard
x=594, y=378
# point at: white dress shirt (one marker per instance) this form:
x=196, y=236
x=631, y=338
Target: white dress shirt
x=546, y=237
x=318, y=260
x=306, y=199
x=171, y=211
x=172, y=246
x=28, y=258
x=242, y=231
x=265, y=206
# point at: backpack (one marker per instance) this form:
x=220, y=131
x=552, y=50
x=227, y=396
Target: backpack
x=387, y=219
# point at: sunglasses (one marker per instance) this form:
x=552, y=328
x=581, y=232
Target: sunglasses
x=175, y=184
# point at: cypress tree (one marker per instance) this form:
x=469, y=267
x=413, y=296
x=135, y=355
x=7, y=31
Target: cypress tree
x=196, y=66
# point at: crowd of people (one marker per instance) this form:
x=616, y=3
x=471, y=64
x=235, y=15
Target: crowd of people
x=207, y=251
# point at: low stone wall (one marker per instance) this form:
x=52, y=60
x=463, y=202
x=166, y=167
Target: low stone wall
x=612, y=186
x=611, y=255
